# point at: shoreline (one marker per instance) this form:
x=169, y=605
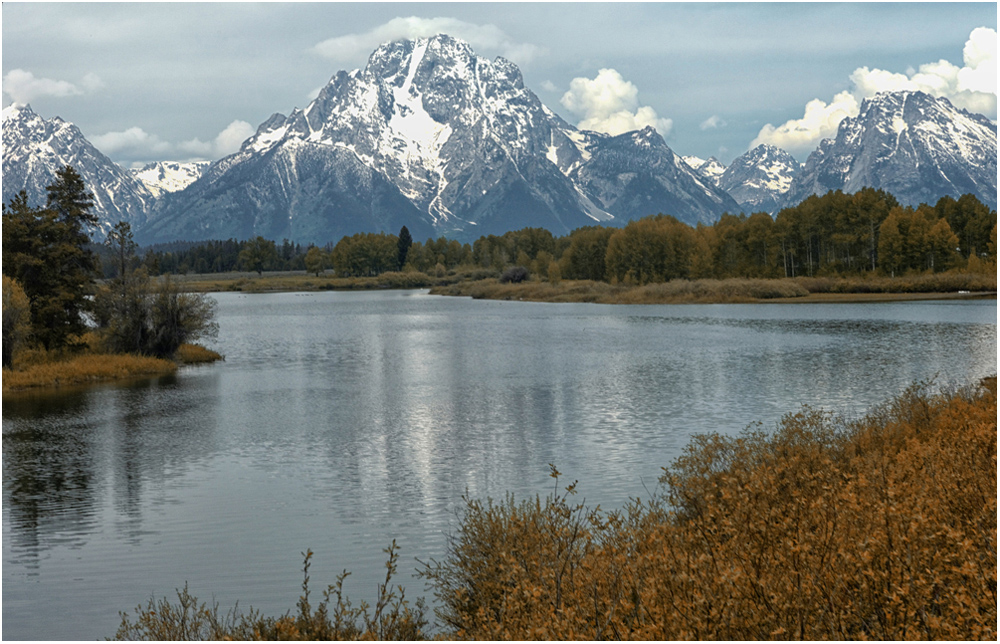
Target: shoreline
x=99, y=368
x=706, y=291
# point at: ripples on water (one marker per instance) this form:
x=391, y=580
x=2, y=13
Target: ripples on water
x=342, y=420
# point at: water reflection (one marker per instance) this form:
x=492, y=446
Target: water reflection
x=61, y=450
x=342, y=420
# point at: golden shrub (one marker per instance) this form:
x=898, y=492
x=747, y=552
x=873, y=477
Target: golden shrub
x=883, y=528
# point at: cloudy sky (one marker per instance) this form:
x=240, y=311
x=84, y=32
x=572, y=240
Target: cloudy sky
x=157, y=81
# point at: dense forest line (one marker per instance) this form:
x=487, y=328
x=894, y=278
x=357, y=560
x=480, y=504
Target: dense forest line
x=835, y=234
x=878, y=528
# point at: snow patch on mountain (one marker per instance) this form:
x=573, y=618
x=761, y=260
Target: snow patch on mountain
x=169, y=176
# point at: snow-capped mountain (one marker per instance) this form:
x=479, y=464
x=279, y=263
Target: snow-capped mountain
x=169, y=176
x=710, y=169
x=759, y=179
x=34, y=148
x=915, y=146
x=432, y=136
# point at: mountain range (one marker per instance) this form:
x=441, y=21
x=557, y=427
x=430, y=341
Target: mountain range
x=431, y=136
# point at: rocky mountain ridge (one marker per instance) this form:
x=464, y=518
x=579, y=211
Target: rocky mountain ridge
x=34, y=148
x=432, y=136
x=915, y=146
x=457, y=136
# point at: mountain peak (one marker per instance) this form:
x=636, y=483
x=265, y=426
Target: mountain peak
x=17, y=110
x=759, y=178
x=916, y=146
x=34, y=148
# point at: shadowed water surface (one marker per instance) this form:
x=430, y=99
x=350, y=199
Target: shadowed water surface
x=340, y=421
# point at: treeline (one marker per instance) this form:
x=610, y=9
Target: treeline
x=52, y=300
x=881, y=528
x=832, y=235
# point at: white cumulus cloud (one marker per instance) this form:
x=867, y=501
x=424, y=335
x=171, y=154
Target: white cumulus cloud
x=351, y=48
x=136, y=147
x=225, y=143
x=609, y=103
x=819, y=122
x=713, y=122
x=133, y=142
x=23, y=87
x=972, y=86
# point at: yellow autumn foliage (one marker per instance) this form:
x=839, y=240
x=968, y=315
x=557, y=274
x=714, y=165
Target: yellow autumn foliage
x=882, y=528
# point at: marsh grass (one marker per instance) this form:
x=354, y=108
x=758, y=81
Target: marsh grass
x=391, y=617
x=196, y=354
x=285, y=282
x=85, y=369
x=37, y=368
x=736, y=290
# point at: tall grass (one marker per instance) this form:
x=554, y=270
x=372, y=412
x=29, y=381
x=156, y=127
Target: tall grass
x=37, y=368
x=85, y=369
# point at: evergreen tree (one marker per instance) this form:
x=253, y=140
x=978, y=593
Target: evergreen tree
x=45, y=250
x=403, y=246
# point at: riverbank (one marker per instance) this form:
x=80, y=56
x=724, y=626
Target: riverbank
x=734, y=291
x=483, y=284
x=92, y=368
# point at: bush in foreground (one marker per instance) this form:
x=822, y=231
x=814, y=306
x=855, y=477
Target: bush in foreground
x=879, y=528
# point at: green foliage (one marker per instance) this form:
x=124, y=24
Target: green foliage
x=403, y=247
x=654, y=249
x=45, y=250
x=258, y=254
x=365, y=255
x=316, y=260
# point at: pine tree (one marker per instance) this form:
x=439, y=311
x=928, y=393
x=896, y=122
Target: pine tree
x=403, y=246
x=45, y=250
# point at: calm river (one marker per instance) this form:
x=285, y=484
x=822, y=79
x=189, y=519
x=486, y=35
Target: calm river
x=340, y=421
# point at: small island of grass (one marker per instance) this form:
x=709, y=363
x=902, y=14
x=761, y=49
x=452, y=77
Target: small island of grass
x=40, y=371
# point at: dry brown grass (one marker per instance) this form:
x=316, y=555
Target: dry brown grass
x=736, y=290
x=196, y=354
x=673, y=292
x=84, y=369
x=36, y=368
x=933, y=283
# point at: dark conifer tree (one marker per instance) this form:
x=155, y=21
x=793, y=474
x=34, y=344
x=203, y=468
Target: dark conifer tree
x=403, y=245
x=45, y=250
